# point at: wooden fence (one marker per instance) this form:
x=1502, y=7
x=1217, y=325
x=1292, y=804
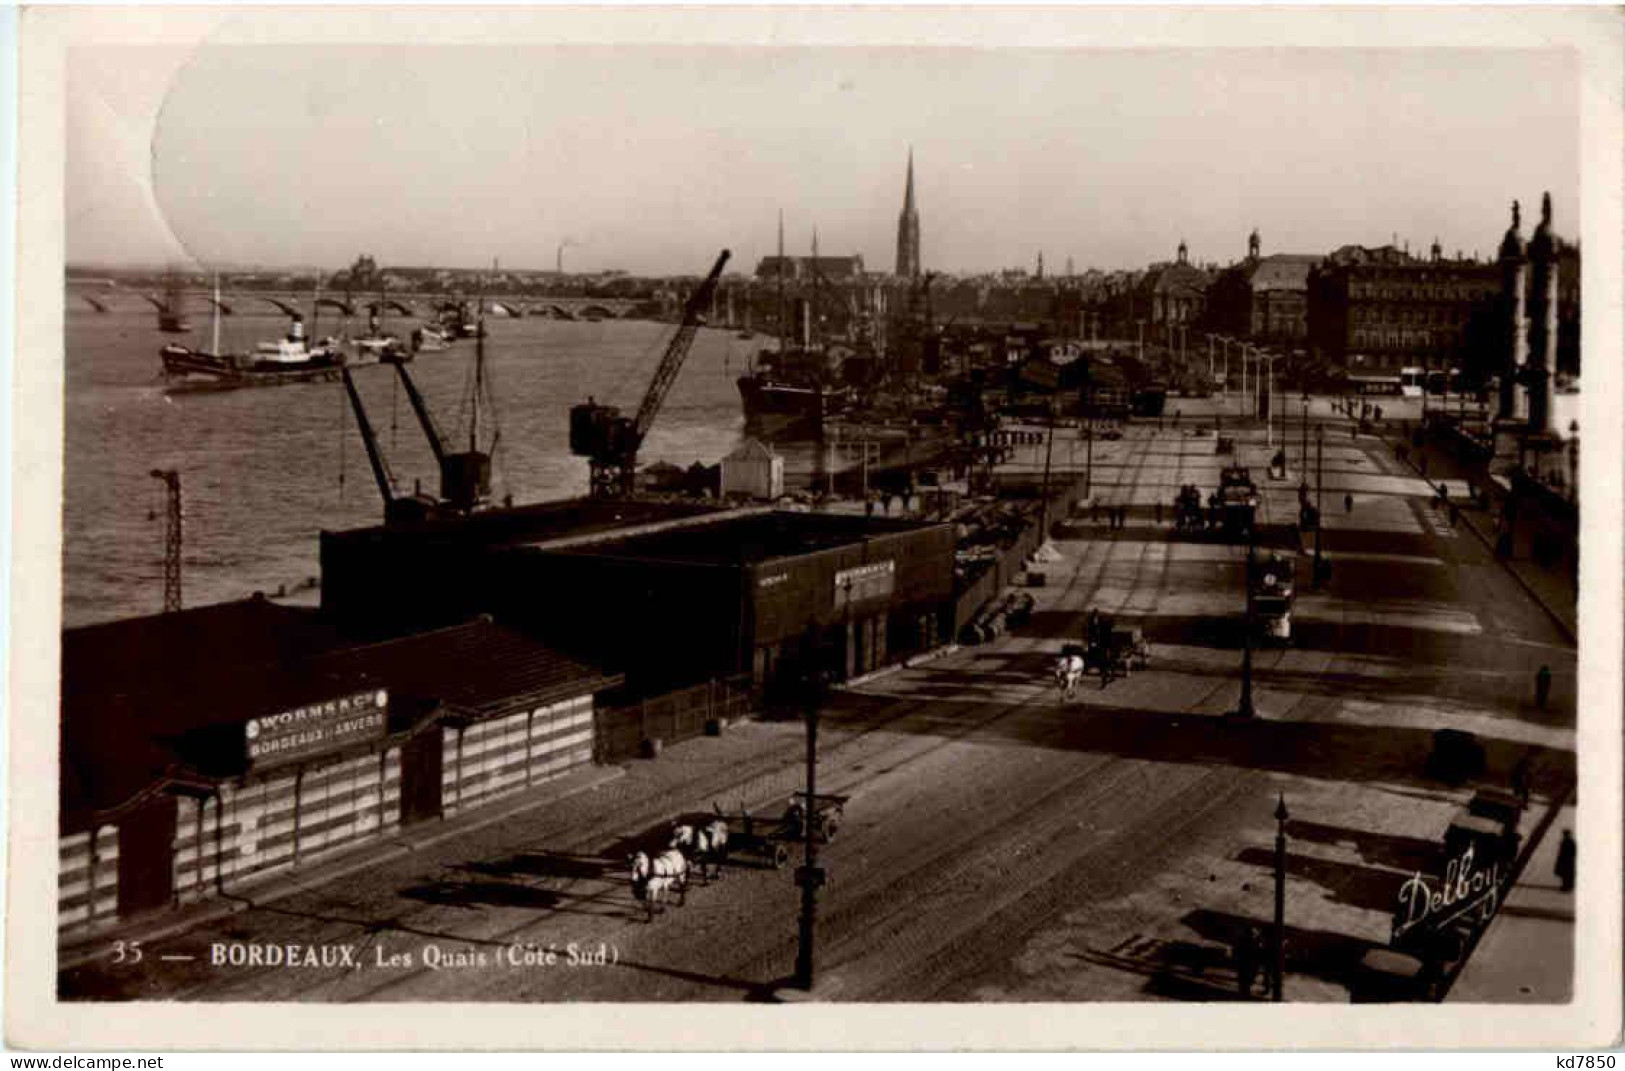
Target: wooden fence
x=620, y=730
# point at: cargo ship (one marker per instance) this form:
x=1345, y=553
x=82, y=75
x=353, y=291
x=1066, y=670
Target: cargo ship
x=791, y=393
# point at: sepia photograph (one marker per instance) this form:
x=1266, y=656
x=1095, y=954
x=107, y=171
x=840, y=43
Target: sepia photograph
x=868, y=511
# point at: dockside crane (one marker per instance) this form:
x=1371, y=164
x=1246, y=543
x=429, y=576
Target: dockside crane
x=465, y=476
x=610, y=441
x=398, y=508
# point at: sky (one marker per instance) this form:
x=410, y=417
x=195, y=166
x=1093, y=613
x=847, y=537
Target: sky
x=649, y=159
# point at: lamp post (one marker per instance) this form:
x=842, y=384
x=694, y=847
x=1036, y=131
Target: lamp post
x=1049, y=451
x=1244, y=396
x=1303, y=453
x=1244, y=709
x=1088, y=454
x=809, y=876
x=1320, y=498
x=1574, y=460
x=1277, y=991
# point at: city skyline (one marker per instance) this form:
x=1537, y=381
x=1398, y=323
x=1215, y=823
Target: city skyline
x=204, y=155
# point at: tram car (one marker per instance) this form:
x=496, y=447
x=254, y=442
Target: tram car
x=1273, y=592
x=1237, y=499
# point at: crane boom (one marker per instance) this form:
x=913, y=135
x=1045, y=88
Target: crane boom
x=380, y=467
x=431, y=430
x=676, y=352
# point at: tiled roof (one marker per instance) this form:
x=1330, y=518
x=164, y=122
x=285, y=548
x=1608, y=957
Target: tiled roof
x=144, y=698
x=1283, y=271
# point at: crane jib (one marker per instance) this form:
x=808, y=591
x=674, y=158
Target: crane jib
x=672, y=362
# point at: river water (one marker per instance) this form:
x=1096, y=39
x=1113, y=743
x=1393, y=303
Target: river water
x=264, y=470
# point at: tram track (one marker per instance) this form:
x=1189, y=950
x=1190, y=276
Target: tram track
x=896, y=748
x=841, y=751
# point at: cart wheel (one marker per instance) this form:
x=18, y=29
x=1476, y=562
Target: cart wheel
x=781, y=856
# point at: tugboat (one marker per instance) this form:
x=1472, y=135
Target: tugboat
x=290, y=359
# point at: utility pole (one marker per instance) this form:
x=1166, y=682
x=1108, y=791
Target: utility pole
x=1280, y=899
x=172, y=538
x=808, y=875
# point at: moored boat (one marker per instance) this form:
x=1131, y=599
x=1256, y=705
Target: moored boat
x=290, y=359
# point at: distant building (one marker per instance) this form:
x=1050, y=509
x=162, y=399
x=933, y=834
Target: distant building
x=1382, y=309
x=1174, y=294
x=1265, y=298
x=908, y=229
x=806, y=269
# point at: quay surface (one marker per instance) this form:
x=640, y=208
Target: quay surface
x=1000, y=843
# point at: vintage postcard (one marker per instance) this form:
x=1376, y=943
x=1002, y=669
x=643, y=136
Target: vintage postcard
x=950, y=528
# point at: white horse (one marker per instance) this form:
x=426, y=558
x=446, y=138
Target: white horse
x=706, y=845
x=655, y=880
x=1068, y=674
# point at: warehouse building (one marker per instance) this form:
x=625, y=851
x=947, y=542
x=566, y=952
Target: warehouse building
x=670, y=597
x=206, y=749
x=756, y=593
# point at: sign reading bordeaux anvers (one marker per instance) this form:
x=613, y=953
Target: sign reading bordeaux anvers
x=316, y=727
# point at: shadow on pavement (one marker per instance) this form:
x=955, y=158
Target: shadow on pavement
x=1407, y=854
x=1331, y=751
x=1349, y=883
x=1177, y=970
x=754, y=991
x=1332, y=957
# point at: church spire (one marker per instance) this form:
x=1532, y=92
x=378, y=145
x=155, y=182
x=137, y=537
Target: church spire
x=908, y=228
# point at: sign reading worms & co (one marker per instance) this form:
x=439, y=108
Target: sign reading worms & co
x=874, y=581
x=317, y=727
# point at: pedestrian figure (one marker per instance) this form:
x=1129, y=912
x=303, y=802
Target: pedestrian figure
x=1543, y=686
x=1265, y=954
x=1565, y=862
x=1245, y=954
x=1159, y=511
x=1521, y=777
x=1348, y=503
x=1176, y=418
x=1379, y=414
x=1094, y=510
x=1122, y=517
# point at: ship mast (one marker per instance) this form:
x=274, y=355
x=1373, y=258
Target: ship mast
x=214, y=346
x=479, y=364
x=780, y=276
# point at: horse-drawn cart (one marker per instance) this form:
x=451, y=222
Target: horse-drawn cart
x=770, y=839
x=1119, y=653
x=1111, y=652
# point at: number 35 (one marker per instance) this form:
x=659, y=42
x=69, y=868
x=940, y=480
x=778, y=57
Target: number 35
x=126, y=951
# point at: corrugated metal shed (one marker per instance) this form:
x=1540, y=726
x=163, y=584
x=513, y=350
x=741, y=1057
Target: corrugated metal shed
x=167, y=696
